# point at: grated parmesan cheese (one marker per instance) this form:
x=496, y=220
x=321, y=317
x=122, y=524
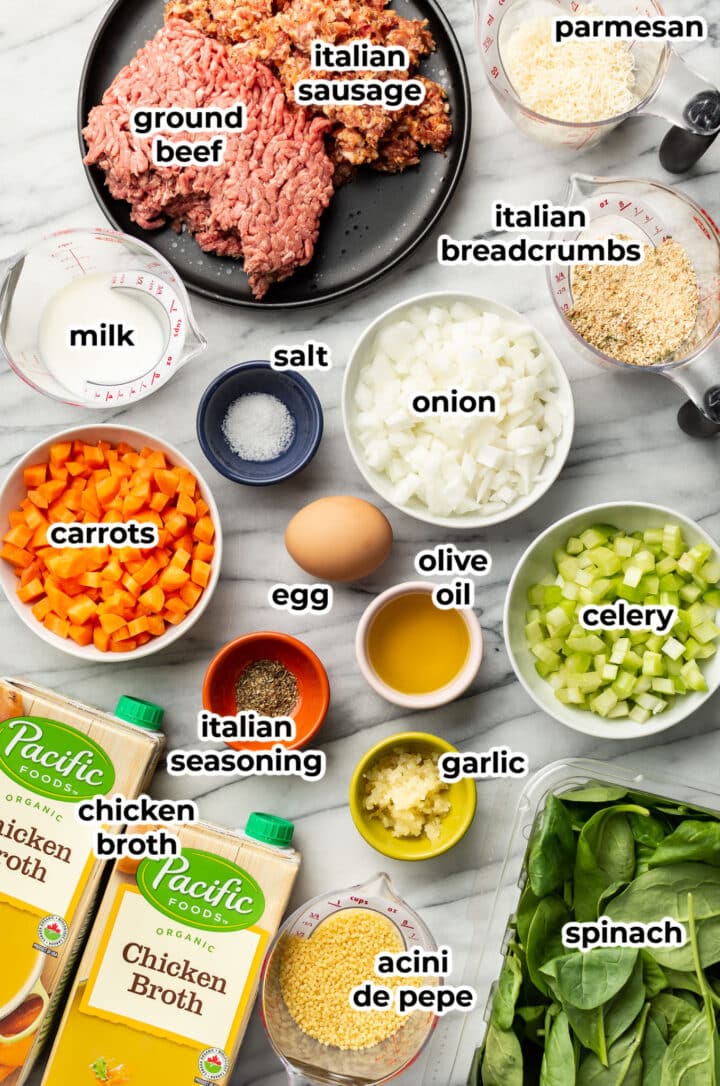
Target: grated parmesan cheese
x=577, y=81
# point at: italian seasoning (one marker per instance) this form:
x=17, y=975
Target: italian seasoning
x=640, y=313
x=267, y=687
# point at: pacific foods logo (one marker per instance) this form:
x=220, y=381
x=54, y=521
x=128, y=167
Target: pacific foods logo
x=53, y=759
x=202, y=890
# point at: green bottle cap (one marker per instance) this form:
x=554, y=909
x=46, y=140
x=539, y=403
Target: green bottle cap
x=143, y=714
x=270, y=829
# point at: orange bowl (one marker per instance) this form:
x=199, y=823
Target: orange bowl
x=313, y=686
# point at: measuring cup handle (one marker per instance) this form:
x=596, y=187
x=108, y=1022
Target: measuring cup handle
x=697, y=423
x=680, y=149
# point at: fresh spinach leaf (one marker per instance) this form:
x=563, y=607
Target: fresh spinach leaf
x=502, y=1061
x=558, y=1063
x=625, y=1065
x=691, y=840
x=622, y=1011
x=551, y=854
x=653, y=1053
x=544, y=940
x=655, y=979
x=605, y=855
x=672, y=1014
x=664, y=892
x=690, y=1059
x=595, y=793
x=525, y=912
x=591, y=979
x=507, y=992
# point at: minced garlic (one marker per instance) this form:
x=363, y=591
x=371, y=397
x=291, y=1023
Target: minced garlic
x=403, y=789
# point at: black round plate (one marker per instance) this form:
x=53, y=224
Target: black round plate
x=371, y=224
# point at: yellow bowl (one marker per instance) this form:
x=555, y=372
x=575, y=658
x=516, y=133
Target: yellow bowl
x=454, y=826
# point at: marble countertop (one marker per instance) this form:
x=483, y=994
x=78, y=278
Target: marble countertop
x=627, y=446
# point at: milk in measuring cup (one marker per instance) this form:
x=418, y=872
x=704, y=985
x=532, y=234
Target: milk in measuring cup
x=92, y=332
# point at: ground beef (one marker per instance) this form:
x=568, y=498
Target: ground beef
x=263, y=204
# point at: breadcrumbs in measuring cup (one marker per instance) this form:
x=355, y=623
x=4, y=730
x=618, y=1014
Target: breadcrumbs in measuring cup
x=318, y=974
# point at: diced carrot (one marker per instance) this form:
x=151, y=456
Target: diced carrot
x=147, y=571
x=20, y=535
x=34, y=475
x=204, y=551
x=176, y=524
x=51, y=489
x=59, y=600
x=107, y=489
x=31, y=590
x=138, y=626
x=42, y=608
x=132, y=503
x=17, y=556
x=200, y=572
x=57, y=471
x=177, y=606
x=101, y=640
x=156, y=625
x=154, y=598
x=173, y=578
x=204, y=530
x=131, y=585
x=83, y=635
x=60, y=452
x=181, y=558
x=93, y=455
x=82, y=610
x=185, y=505
x=201, y=507
x=159, y=501
x=172, y=617
x=123, y=646
x=113, y=570
x=190, y=593
x=56, y=625
x=110, y=623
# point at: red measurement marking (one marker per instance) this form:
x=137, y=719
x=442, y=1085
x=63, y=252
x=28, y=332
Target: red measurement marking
x=173, y=306
x=487, y=43
x=77, y=261
x=494, y=72
x=155, y=377
x=711, y=221
x=314, y=916
x=490, y=19
x=360, y=900
x=624, y=206
x=337, y=904
x=561, y=290
x=178, y=327
x=604, y=203
x=560, y=277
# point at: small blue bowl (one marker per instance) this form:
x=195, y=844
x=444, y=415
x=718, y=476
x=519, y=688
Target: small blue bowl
x=294, y=391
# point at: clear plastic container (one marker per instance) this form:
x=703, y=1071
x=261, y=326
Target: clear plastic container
x=492, y=938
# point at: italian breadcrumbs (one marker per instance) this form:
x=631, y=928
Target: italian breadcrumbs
x=318, y=974
x=637, y=313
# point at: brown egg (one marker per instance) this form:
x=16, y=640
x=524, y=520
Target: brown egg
x=339, y=538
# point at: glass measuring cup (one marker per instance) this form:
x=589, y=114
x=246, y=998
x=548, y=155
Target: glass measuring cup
x=307, y=1061
x=664, y=84
x=650, y=212
x=31, y=279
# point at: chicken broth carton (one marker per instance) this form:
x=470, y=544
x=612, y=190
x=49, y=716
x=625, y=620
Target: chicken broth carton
x=54, y=753
x=172, y=967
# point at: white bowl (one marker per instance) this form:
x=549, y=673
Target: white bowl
x=433, y=698
x=381, y=484
x=13, y=491
x=537, y=561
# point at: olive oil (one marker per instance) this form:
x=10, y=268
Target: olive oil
x=415, y=647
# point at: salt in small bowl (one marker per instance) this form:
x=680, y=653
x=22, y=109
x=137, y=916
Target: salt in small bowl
x=247, y=378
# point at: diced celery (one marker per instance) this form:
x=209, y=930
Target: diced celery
x=639, y=715
x=624, y=684
x=649, y=585
x=633, y=661
x=654, y=643
x=673, y=543
x=626, y=547
x=643, y=683
x=633, y=576
x=650, y=702
x=665, y=566
x=712, y=598
x=570, y=696
x=534, y=633
x=607, y=562
x=652, y=664
x=596, y=536
x=534, y=615
x=673, y=648
x=569, y=591
x=644, y=560
x=590, y=643
x=588, y=683
x=609, y=672
x=574, y=546
x=585, y=577
x=706, y=631
x=545, y=655
x=693, y=676
x=653, y=536
x=671, y=583
x=638, y=637
x=621, y=709
x=620, y=648
x=663, y=686
x=568, y=568
x=710, y=572
x=670, y=599
x=604, y=702
x=600, y=660
x=579, y=662
x=557, y=621
x=689, y=593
